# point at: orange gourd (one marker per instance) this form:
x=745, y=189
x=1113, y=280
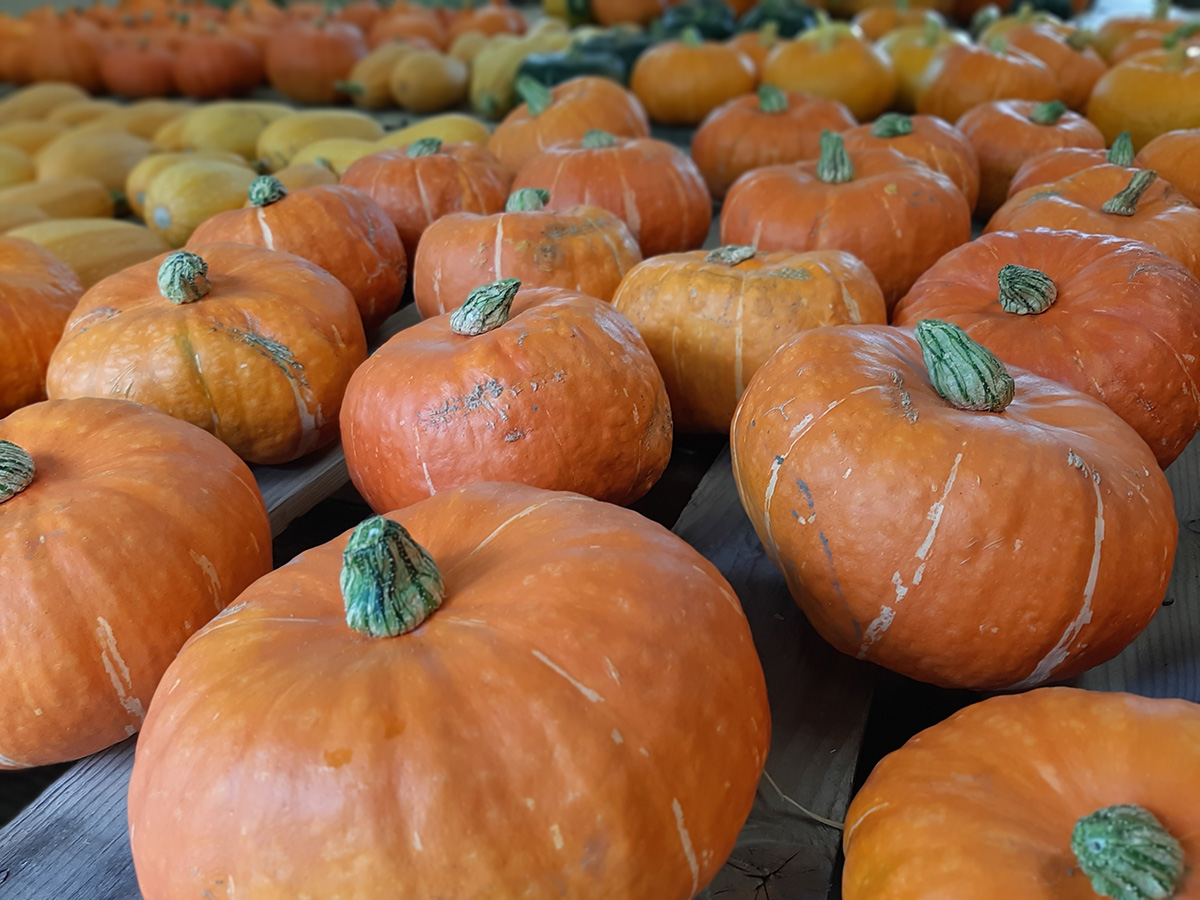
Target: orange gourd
x=1148, y=95
x=137, y=69
x=1075, y=65
x=1173, y=155
x=213, y=64
x=680, y=82
x=961, y=77
x=912, y=50
x=307, y=60
x=1061, y=162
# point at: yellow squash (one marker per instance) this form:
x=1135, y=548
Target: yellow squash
x=467, y=46
x=231, y=126
x=148, y=169
x=494, y=68
x=14, y=215
x=94, y=248
x=367, y=83
x=15, y=166
x=280, y=140
x=426, y=81
x=185, y=194
x=142, y=119
x=30, y=136
x=107, y=156
x=302, y=175
x=79, y=111
x=38, y=100
x=62, y=198
x=336, y=154
x=452, y=128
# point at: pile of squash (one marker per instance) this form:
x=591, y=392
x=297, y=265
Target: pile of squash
x=951, y=329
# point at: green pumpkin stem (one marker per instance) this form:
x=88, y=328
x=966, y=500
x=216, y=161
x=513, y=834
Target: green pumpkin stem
x=834, y=165
x=891, y=125
x=1080, y=39
x=350, y=88
x=1125, y=201
x=984, y=19
x=265, y=190
x=1048, y=113
x=932, y=33
x=771, y=99
x=1162, y=9
x=536, y=95
x=1121, y=151
x=424, y=147
x=527, y=200
x=730, y=255
x=768, y=35
x=183, y=277
x=1025, y=291
x=16, y=470
x=389, y=582
x=902, y=6
x=964, y=373
x=1128, y=854
x=691, y=36
x=485, y=308
x=597, y=139
x=998, y=45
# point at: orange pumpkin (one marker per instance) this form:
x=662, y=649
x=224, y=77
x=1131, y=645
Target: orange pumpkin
x=212, y=65
x=37, y=294
x=927, y=139
x=711, y=319
x=253, y=345
x=1108, y=199
x=1005, y=133
x=67, y=50
x=757, y=44
x=87, y=631
x=489, y=19
x=565, y=112
x=495, y=393
x=680, y=82
x=1154, y=39
x=912, y=50
x=834, y=61
x=584, y=248
x=307, y=60
x=652, y=185
x=1109, y=317
x=1173, y=155
x=965, y=464
x=1116, y=29
x=1149, y=95
x=418, y=184
x=335, y=227
x=876, y=21
x=1055, y=793
x=1060, y=162
x=892, y=212
x=408, y=24
x=539, y=607
x=137, y=69
x=962, y=77
x=626, y=12
x=763, y=129
x=1075, y=65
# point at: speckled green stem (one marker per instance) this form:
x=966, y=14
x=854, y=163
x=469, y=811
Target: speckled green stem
x=1125, y=202
x=389, y=582
x=424, y=147
x=1121, y=151
x=730, y=255
x=834, y=165
x=1048, y=113
x=596, y=139
x=183, y=277
x=485, y=308
x=536, y=95
x=964, y=373
x=527, y=200
x=932, y=33
x=1025, y=291
x=265, y=190
x=16, y=470
x=771, y=99
x=891, y=125
x=1128, y=854
x=691, y=36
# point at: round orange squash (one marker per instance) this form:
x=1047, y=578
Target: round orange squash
x=418, y=184
x=892, y=212
x=1173, y=155
x=594, y=757
x=1021, y=531
x=1107, y=316
x=652, y=185
x=558, y=392
x=86, y=629
x=961, y=77
x=1060, y=162
x=763, y=129
x=1005, y=133
x=1054, y=794
x=37, y=294
x=253, y=345
x=583, y=248
x=1075, y=65
x=338, y=228
x=565, y=112
x=680, y=82
x=711, y=319
x=1148, y=95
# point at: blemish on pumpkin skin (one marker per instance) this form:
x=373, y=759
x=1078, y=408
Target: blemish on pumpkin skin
x=335, y=759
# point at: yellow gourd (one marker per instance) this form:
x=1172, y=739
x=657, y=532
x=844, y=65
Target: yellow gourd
x=142, y=119
x=302, y=175
x=94, y=248
x=231, y=126
x=79, y=111
x=467, y=46
x=280, y=140
x=367, y=84
x=38, y=100
x=62, y=198
x=187, y=193
x=15, y=166
x=30, y=136
x=14, y=215
x=335, y=154
x=427, y=81
x=452, y=128
x=495, y=66
x=107, y=156
x=149, y=168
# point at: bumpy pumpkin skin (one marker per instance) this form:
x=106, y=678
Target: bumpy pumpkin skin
x=338, y=228
x=37, y=294
x=261, y=361
x=564, y=396
x=1124, y=326
x=1163, y=217
x=575, y=760
x=984, y=803
x=983, y=525
x=896, y=215
x=711, y=325
x=416, y=191
x=584, y=249
x=87, y=628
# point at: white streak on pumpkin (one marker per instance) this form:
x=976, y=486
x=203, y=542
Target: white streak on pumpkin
x=556, y=836
x=12, y=763
x=498, y=249
x=686, y=840
x=267, y=236
x=616, y=736
x=209, y=570
x=798, y=431
x=429, y=216
x=612, y=670
x=876, y=808
x=935, y=512
x=582, y=688
x=416, y=842
x=421, y=460
x=522, y=514
x=118, y=673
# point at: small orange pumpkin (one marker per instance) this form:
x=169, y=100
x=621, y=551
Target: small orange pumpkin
x=1149, y=95
x=1061, y=162
x=876, y=21
x=962, y=77
x=911, y=51
x=1173, y=155
x=307, y=60
x=680, y=82
x=1074, y=63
